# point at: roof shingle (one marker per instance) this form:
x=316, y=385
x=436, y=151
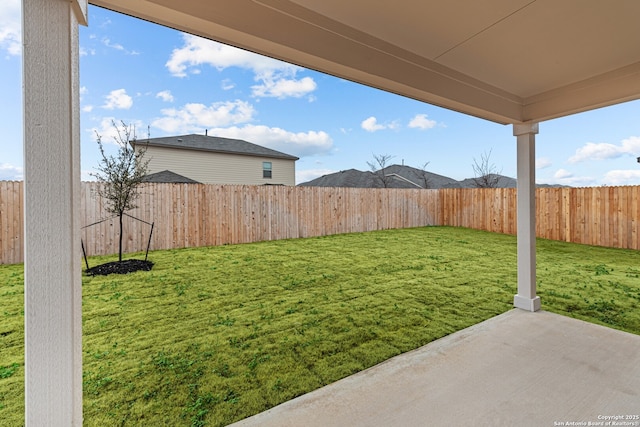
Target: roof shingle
x=216, y=144
x=168, y=176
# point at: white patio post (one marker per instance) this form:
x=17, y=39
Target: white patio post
x=526, y=297
x=53, y=293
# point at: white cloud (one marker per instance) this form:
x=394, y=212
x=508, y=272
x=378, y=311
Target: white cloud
x=564, y=177
x=562, y=174
x=592, y=151
x=298, y=144
x=420, y=121
x=278, y=87
x=85, y=52
x=227, y=84
x=197, y=117
x=198, y=51
x=165, y=95
x=275, y=78
x=107, y=42
x=10, y=172
x=109, y=133
x=543, y=163
x=117, y=46
x=105, y=129
x=311, y=174
x=84, y=91
x=371, y=124
x=105, y=23
x=118, y=99
x=622, y=177
x=86, y=175
x=603, y=150
x=579, y=181
x=10, y=27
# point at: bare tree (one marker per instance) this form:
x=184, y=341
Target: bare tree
x=121, y=175
x=423, y=175
x=486, y=173
x=377, y=167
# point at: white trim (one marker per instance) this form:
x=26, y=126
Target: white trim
x=80, y=10
x=526, y=298
x=53, y=287
x=404, y=179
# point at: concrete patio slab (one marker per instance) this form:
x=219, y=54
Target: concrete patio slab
x=516, y=369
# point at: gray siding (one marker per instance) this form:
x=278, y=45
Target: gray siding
x=219, y=168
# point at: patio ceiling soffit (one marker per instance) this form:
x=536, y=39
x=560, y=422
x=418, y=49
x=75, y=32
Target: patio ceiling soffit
x=288, y=31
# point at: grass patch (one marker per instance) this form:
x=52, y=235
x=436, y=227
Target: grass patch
x=213, y=335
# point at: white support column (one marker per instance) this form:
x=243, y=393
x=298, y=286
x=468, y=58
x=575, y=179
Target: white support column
x=53, y=288
x=526, y=297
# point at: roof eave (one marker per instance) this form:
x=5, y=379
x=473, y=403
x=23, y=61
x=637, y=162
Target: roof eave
x=213, y=150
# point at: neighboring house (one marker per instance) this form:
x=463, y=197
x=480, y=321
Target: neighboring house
x=399, y=176
x=167, y=176
x=499, y=181
x=214, y=160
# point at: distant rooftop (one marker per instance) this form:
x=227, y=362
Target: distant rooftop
x=216, y=144
x=168, y=176
x=400, y=176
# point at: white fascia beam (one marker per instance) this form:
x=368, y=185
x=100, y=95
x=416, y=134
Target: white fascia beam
x=53, y=288
x=526, y=297
x=613, y=87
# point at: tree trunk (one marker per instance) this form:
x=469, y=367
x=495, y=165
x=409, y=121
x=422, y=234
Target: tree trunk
x=120, y=246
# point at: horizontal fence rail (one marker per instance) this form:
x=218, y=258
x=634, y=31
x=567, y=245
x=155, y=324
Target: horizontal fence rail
x=189, y=215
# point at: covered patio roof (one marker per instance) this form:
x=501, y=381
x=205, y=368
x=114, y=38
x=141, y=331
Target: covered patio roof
x=508, y=61
x=514, y=62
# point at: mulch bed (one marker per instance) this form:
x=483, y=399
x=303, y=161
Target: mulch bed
x=120, y=267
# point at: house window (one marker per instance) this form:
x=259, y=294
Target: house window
x=266, y=169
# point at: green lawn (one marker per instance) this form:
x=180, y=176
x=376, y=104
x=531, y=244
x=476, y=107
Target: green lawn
x=213, y=335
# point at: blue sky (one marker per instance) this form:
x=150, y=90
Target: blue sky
x=173, y=83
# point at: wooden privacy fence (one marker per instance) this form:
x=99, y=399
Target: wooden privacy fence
x=187, y=215
x=11, y=223
x=603, y=216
